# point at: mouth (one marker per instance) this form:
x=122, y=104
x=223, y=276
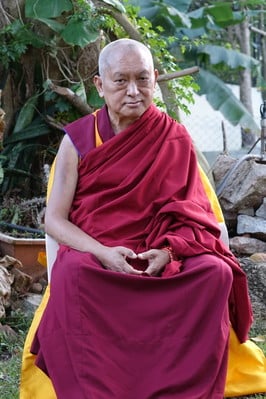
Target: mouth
x=133, y=103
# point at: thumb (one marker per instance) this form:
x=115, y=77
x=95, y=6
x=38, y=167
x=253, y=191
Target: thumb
x=144, y=255
x=131, y=255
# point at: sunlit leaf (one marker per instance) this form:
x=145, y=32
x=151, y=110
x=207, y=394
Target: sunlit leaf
x=116, y=4
x=1, y=174
x=232, y=58
x=79, y=33
x=223, y=99
x=46, y=9
x=54, y=25
x=259, y=338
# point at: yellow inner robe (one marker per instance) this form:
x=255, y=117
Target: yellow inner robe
x=246, y=372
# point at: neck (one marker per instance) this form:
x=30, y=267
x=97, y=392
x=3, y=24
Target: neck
x=120, y=125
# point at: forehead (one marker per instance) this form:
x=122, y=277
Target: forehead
x=130, y=60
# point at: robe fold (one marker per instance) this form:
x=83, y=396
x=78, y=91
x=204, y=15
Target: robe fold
x=125, y=336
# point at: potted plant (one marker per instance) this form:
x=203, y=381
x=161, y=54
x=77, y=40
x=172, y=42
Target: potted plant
x=22, y=234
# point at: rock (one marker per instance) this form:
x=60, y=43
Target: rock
x=247, y=211
x=242, y=245
x=261, y=211
x=245, y=188
x=252, y=225
x=258, y=257
x=7, y=330
x=256, y=275
x=30, y=303
x=222, y=166
x=36, y=288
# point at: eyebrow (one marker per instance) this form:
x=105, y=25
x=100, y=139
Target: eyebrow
x=121, y=74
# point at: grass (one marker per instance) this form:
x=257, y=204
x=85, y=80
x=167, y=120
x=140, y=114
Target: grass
x=11, y=346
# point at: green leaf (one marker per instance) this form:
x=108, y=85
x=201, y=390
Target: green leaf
x=223, y=99
x=54, y=25
x=79, y=33
x=1, y=174
x=46, y=9
x=34, y=40
x=116, y=4
x=221, y=11
x=146, y=5
x=232, y=58
x=26, y=114
x=36, y=129
x=94, y=99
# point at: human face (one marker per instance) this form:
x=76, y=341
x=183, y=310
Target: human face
x=127, y=86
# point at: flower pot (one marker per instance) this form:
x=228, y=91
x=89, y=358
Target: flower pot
x=26, y=250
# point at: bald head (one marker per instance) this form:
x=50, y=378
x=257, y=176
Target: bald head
x=121, y=47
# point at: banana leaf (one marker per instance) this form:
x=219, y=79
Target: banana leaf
x=46, y=9
x=223, y=99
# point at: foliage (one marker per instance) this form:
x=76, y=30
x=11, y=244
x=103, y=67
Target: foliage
x=11, y=346
x=200, y=29
x=22, y=217
x=221, y=98
x=15, y=39
x=59, y=33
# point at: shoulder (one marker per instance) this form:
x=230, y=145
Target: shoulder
x=81, y=133
x=75, y=126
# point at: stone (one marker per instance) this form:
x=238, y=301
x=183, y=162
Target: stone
x=247, y=211
x=221, y=167
x=259, y=257
x=256, y=275
x=36, y=288
x=251, y=225
x=244, y=188
x=30, y=303
x=261, y=211
x=242, y=245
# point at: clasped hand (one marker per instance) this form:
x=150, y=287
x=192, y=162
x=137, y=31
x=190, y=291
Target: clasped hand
x=115, y=258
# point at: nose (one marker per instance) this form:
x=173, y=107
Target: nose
x=132, y=88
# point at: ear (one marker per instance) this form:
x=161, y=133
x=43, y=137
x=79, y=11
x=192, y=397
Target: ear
x=97, y=80
x=156, y=74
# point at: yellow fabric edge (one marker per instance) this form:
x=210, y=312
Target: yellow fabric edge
x=246, y=372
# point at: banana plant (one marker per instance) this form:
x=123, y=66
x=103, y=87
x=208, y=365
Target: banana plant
x=191, y=28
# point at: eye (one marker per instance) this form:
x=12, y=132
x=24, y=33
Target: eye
x=143, y=80
x=120, y=81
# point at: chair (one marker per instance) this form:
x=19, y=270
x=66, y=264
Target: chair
x=247, y=363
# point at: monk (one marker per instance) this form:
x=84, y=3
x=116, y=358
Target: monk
x=143, y=290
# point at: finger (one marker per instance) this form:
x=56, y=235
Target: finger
x=131, y=270
x=145, y=255
x=131, y=255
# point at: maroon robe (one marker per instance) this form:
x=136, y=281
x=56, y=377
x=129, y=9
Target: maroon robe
x=108, y=335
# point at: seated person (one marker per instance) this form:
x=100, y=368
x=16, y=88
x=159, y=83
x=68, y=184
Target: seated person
x=143, y=290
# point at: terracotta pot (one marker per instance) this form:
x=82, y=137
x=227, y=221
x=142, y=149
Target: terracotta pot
x=26, y=250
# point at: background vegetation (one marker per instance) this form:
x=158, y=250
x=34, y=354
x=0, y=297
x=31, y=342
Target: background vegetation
x=49, y=52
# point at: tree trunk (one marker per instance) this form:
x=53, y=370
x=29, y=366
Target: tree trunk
x=245, y=88
x=263, y=56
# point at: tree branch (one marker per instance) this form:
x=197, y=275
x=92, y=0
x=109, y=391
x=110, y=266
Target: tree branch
x=261, y=32
x=75, y=100
x=177, y=74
